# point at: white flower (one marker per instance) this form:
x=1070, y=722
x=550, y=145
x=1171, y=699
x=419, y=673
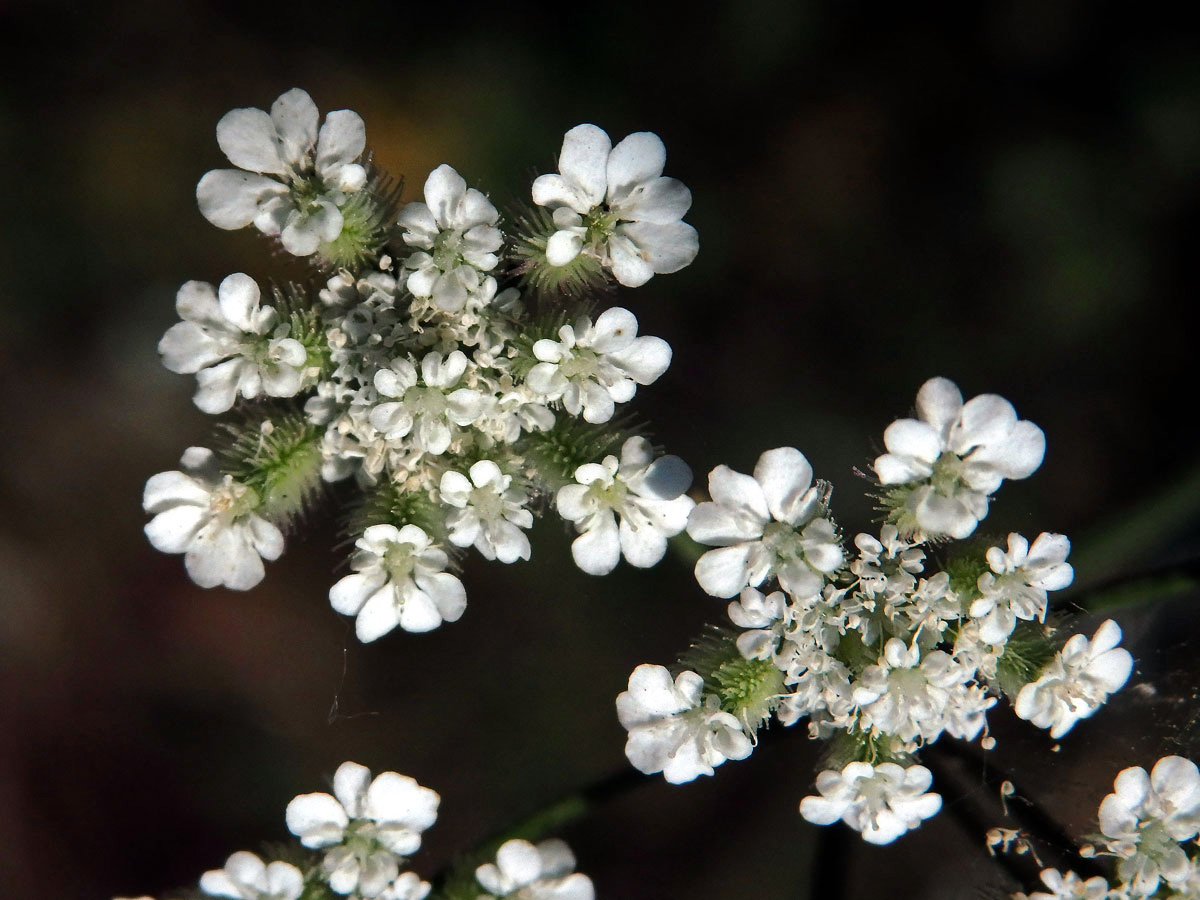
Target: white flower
x=528, y=872
x=613, y=203
x=886, y=565
x=430, y=408
x=674, y=729
x=645, y=494
x=246, y=877
x=211, y=521
x=1148, y=816
x=399, y=579
x=765, y=525
x=914, y=696
x=228, y=322
x=955, y=455
x=768, y=616
x=1077, y=681
x=368, y=826
x=457, y=239
x=594, y=367
x=1016, y=587
x=291, y=179
x=489, y=513
x=408, y=886
x=881, y=801
x=1071, y=887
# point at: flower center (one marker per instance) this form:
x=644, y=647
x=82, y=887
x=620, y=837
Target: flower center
x=447, y=250
x=599, y=223
x=583, y=363
x=425, y=401
x=400, y=560
x=947, y=474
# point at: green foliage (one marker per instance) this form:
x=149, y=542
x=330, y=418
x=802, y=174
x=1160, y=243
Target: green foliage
x=389, y=503
x=368, y=220
x=533, y=226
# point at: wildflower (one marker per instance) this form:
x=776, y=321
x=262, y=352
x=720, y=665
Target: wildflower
x=246, y=877
x=457, y=239
x=881, y=801
x=1070, y=887
x=768, y=524
x=645, y=494
x=1077, y=681
x=291, y=179
x=591, y=368
x=430, y=409
x=366, y=828
x=615, y=204
x=229, y=322
x=1017, y=585
x=1147, y=817
x=211, y=520
x=674, y=729
x=955, y=455
x=399, y=579
x=488, y=512
x=528, y=872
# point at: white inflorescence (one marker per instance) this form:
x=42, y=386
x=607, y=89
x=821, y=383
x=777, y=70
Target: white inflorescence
x=422, y=371
x=881, y=652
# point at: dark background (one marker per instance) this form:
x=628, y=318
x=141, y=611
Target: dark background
x=1006, y=195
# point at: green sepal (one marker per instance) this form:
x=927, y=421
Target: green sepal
x=304, y=318
x=1027, y=652
x=278, y=456
x=368, y=223
x=532, y=228
x=554, y=455
x=846, y=747
x=389, y=503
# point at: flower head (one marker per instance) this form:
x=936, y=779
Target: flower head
x=229, y=324
x=366, y=828
x=954, y=455
x=528, y=872
x=291, y=179
x=615, y=204
x=644, y=494
x=1016, y=586
x=210, y=519
x=399, y=580
x=881, y=801
x=246, y=877
x=674, y=729
x=770, y=523
x=1077, y=680
x=487, y=512
x=456, y=238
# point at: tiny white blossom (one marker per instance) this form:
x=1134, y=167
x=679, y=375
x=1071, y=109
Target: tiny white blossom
x=882, y=802
x=524, y=871
x=591, y=368
x=768, y=524
x=456, y=238
x=1070, y=886
x=615, y=204
x=1017, y=585
x=291, y=179
x=210, y=519
x=956, y=455
x=399, y=579
x=246, y=877
x=366, y=828
x=645, y=494
x=1077, y=681
x=674, y=729
x=408, y=886
x=489, y=512
x=1147, y=817
x=229, y=322
x=430, y=407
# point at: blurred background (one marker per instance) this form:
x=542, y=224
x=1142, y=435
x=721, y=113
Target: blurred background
x=1006, y=195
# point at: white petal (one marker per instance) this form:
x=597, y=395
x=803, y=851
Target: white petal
x=630, y=267
x=247, y=138
x=379, y=615
x=584, y=160
x=173, y=530
x=939, y=402
x=666, y=247
x=598, y=549
x=317, y=819
x=563, y=247
x=230, y=198
x=645, y=360
x=295, y=117
x=637, y=159
x=444, y=191
x=238, y=297
x=350, y=783
x=785, y=476
x=724, y=572
x=660, y=201
x=341, y=141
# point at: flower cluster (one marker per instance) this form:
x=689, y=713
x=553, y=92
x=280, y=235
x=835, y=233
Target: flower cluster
x=458, y=374
x=1149, y=824
x=884, y=649
x=355, y=844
